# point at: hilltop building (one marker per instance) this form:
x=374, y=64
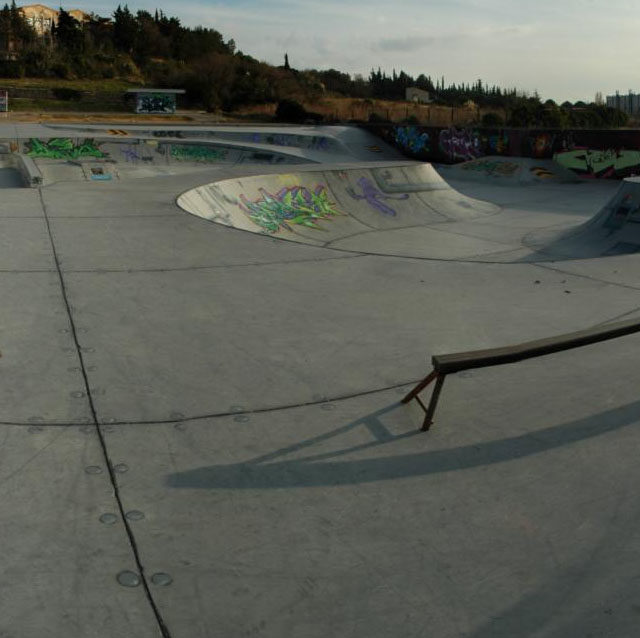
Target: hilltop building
x=41, y=17
x=414, y=94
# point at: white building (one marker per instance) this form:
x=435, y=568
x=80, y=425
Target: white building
x=41, y=17
x=414, y=94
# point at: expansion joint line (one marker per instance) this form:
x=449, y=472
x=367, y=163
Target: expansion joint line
x=112, y=476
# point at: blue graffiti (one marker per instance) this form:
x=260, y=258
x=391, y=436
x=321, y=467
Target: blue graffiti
x=319, y=144
x=411, y=139
x=373, y=196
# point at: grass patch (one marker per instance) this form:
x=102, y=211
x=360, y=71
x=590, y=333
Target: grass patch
x=27, y=104
x=104, y=85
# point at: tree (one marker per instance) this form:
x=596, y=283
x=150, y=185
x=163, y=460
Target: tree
x=125, y=29
x=68, y=33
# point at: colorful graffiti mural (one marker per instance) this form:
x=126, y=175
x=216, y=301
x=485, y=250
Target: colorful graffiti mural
x=541, y=144
x=542, y=173
x=375, y=197
x=155, y=103
x=412, y=139
x=593, y=153
x=197, y=153
x=609, y=163
x=496, y=168
x=290, y=206
x=460, y=144
x=62, y=148
x=497, y=144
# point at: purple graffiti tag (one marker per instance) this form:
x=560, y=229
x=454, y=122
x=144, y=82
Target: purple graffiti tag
x=460, y=144
x=130, y=154
x=373, y=196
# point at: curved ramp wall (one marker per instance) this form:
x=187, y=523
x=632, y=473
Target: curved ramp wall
x=511, y=171
x=614, y=230
x=322, y=207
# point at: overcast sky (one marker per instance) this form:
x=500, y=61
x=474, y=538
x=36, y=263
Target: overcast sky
x=564, y=49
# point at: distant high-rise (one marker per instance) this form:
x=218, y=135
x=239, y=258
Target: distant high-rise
x=627, y=102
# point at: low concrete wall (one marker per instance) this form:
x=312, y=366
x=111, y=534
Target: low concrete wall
x=28, y=170
x=607, y=153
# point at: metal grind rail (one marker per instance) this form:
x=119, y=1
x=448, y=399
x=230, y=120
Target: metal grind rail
x=444, y=364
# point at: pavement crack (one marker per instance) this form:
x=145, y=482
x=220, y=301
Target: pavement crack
x=105, y=452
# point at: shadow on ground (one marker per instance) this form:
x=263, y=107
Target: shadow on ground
x=318, y=470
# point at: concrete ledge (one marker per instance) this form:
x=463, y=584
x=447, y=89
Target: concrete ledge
x=28, y=169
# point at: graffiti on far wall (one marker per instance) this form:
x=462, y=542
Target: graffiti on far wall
x=498, y=144
x=610, y=163
x=412, y=139
x=155, y=103
x=375, y=197
x=62, y=148
x=592, y=153
x=495, y=168
x=290, y=206
x=460, y=144
x=542, y=144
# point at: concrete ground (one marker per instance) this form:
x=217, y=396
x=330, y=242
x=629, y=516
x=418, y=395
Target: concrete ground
x=201, y=433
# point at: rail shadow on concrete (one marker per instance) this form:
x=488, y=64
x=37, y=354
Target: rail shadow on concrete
x=318, y=471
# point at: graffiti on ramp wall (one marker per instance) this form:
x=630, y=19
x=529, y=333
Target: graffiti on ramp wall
x=62, y=148
x=290, y=206
x=374, y=197
x=492, y=168
x=197, y=153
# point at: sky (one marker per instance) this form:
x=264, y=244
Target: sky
x=563, y=49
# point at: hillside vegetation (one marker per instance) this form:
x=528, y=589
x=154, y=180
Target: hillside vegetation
x=110, y=54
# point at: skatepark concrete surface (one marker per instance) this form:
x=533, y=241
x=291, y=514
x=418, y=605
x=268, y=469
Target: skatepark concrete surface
x=200, y=425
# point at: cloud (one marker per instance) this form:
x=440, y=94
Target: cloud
x=406, y=44
x=566, y=49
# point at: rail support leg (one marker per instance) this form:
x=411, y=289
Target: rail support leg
x=420, y=387
x=430, y=410
x=428, y=419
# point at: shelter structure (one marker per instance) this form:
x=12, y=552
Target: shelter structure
x=155, y=100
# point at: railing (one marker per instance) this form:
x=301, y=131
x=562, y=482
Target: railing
x=444, y=364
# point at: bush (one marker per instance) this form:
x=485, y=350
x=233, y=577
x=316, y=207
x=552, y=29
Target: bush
x=491, y=120
x=376, y=118
x=61, y=70
x=291, y=111
x=313, y=118
x=11, y=69
x=63, y=93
